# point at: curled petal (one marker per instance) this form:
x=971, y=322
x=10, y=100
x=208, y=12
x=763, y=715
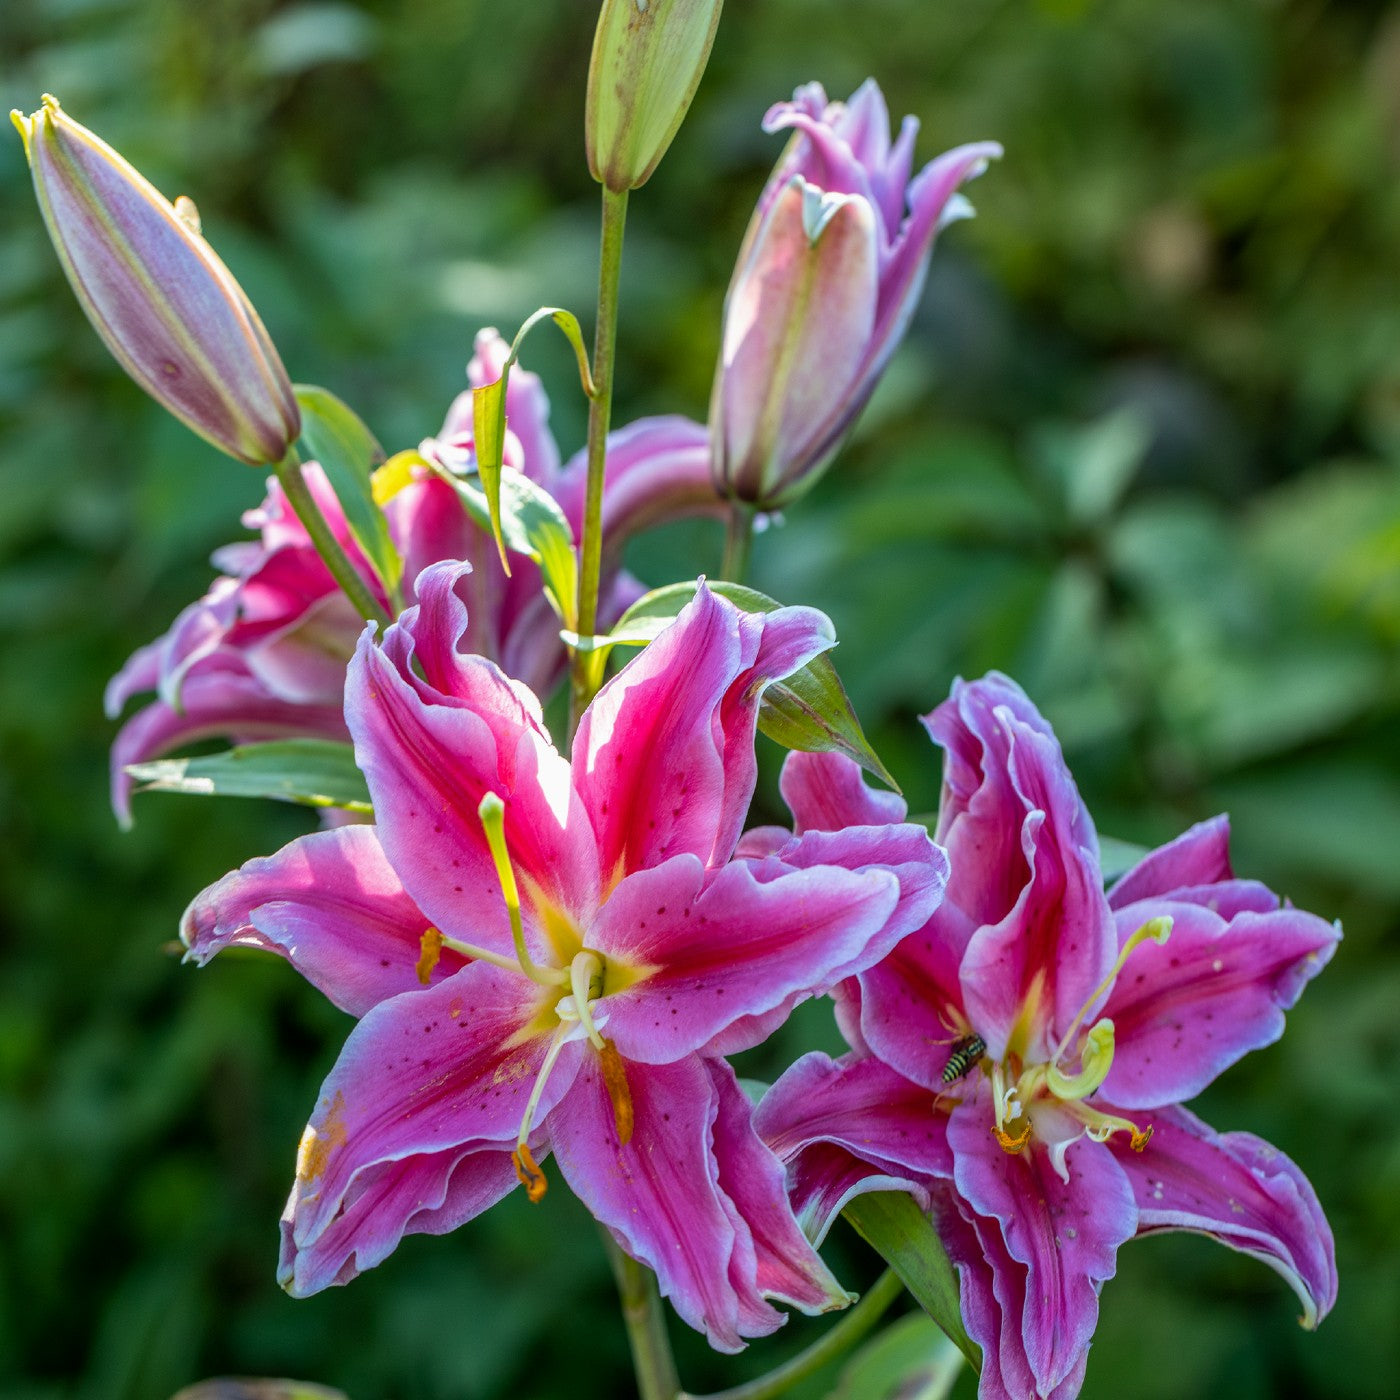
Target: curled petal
x=828, y=791
x=1064, y=1235
x=664, y=757
x=740, y=944
x=426, y=1194
x=849, y=1126
x=659, y=1194
x=1199, y=856
x=331, y=904
x=1239, y=1190
x=1186, y=1009
x=442, y=1069
x=772, y=1257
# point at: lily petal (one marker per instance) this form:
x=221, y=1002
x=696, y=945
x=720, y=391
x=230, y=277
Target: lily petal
x=1065, y=1235
x=1186, y=1009
x=432, y=746
x=448, y=1067
x=828, y=792
x=428, y=1194
x=1239, y=1190
x=1199, y=856
x=741, y=943
x=331, y=904
x=664, y=758
x=772, y=1257
x=849, y=1126
x=658, y=1195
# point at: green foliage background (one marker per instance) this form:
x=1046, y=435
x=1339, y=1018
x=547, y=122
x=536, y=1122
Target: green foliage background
x=1142, y=450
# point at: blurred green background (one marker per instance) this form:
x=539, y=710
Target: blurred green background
x=1142, y=450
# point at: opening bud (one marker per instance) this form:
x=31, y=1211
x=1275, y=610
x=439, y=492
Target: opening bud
x=157, y=293
x=648, y=56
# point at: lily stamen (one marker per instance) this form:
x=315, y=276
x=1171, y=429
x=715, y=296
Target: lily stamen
x=528, y=1171
x=492, y=813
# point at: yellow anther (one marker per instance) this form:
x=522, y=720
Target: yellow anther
x=529, y=1173
x=615, y=1078
x=1010, y=1144
x=429, y=951
x=1140, y=1138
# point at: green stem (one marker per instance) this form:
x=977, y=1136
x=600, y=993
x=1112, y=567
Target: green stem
x=646, y=1326
x=738, y=536
x=586, y=672
x=852, y=1328
x=299, y=497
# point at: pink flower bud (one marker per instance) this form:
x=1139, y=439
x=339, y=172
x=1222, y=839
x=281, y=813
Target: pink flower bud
x=157, y=293
x=827, y=279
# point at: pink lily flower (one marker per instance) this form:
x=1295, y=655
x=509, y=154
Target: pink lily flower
x=1019, y=1063
x=263, y=654
x=551, y=956
x=825, y=285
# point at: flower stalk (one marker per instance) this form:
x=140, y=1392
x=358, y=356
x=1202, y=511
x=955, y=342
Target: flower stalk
x=299, y=497
x=646, y=1326
x=586, y=671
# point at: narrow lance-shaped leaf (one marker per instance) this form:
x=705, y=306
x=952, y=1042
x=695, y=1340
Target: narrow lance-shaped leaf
x=809, y=711
x=911, y=1360
x=309, y=772
x=894, y=1226
x=333, y=435
x=489, y=414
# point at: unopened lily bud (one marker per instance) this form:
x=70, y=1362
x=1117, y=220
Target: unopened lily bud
x=825, y=285
x=648, y=56
x=157, y=293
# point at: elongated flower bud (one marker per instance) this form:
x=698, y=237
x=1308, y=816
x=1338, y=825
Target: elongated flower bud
x=157, y=293
x=648, y=56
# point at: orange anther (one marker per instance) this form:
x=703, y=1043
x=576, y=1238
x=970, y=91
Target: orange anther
x=529, y=1173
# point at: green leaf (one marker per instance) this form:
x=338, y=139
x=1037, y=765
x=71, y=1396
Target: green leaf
x=809, y=711
x=312, y=772
x=532, y=524
x=243, y=1388
x=894, y=1226
x=489, y=442
x=1117, y=857
x=334, y=436
x=910, y=1360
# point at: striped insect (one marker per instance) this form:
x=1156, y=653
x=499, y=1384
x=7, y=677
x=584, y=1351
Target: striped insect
x=967, y=1050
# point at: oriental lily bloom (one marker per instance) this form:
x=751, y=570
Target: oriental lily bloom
x=1021, y=1061
x=825, y=285
x=263, y=654
x=551, y=957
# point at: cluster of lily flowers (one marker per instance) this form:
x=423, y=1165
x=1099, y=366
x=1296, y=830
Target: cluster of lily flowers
x=550, y=957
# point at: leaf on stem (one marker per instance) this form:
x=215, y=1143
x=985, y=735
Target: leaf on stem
x=808, y=711
x=310, y=772
x=894, y=1226
x=333, y=435
x=910, y=1360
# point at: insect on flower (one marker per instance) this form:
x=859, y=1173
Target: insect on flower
x=966, y=1052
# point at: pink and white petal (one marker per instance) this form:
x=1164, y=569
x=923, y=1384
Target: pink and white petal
x=427, y=1194
x=658, y=1195
x=1239, y=1190
x=219, y=703
x=911, y=1007
x=429, y=762
x=305, y=662
x=1065, y=1234
x=139, y=673
x=772, y=1257
x=1057, y=943
x=828, y=791
x=739, y=943
x=1185, y=1010
x=331, y=904
x=446, y=1067
x=1199, y=856
x=760, y=842
x=849, y=1126
x=664, y=756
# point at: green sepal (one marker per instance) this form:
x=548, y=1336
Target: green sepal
x=532, y=524
x=809, y=711
x=309, y=772
x=894, y=1226
x=333, y=435
x=910, y=1360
